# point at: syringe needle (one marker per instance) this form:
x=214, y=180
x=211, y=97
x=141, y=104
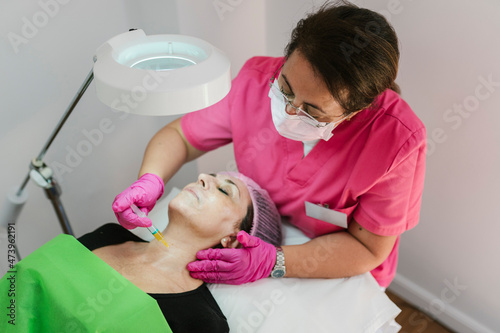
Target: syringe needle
x=156, y=233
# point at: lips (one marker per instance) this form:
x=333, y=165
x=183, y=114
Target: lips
x=192, y=191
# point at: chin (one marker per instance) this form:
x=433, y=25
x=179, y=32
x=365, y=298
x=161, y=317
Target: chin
x=181, y=210
x=180, y=203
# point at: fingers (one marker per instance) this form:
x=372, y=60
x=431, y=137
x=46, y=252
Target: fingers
x=124, y=223
x=133, y=196
x=229, y=255
x=215, y=261
x=215, y=278
x=129, y=220
x=209, y=254
x=213, y=271
x=144, y=222
x=246, y=240
x=208, y=278
x=212, y=266
x=122, y=201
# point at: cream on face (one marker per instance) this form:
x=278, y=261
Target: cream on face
x=212, y=205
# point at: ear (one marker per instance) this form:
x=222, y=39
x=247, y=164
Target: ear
x=230, y=241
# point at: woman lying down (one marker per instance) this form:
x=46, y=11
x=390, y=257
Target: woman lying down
x=205, y=214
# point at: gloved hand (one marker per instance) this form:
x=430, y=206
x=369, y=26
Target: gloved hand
x=144, y=193
x=235, y=266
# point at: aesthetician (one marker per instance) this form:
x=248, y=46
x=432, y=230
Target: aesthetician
x=326, y=133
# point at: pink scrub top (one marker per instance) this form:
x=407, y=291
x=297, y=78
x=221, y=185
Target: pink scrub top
x=372, y=169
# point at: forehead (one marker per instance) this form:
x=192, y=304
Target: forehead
x=308, y=84
x=297, y=67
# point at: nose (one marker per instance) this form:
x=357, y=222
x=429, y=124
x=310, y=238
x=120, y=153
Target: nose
x=290, y=109
x=204, y=180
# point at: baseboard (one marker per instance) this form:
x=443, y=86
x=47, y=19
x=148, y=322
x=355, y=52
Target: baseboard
x=441, y=311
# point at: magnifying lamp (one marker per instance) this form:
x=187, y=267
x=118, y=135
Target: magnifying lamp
x=148, y=75
x=160, y=74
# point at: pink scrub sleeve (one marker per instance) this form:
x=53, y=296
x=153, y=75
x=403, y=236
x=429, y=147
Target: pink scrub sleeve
x=209, y=128
x=392, y=205
x=213, y=127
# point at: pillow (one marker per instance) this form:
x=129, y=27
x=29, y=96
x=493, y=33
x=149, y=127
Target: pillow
x=355, y=304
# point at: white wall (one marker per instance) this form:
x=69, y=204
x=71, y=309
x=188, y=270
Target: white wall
x=42, y=68
x=238, y=28
x=448, y=52
x=446, y=47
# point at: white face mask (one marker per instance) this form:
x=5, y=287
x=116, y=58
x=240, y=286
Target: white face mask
x=292, y=127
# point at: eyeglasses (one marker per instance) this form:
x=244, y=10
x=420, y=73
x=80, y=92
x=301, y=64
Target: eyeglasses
x=302, y=114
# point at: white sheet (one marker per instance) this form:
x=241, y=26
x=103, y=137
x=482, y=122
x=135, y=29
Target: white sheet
x=355, y=304
x=306, y=305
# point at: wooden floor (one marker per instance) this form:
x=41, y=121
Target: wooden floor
x=415, y=321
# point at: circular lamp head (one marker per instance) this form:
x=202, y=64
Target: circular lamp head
x=160, y=74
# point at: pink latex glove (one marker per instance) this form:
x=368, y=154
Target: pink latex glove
x=235, y=266
x=144, y=193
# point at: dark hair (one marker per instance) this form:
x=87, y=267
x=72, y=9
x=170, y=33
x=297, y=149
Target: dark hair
x=354, y=50
x=247, y=222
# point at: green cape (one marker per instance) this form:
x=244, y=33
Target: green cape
x=63, y=287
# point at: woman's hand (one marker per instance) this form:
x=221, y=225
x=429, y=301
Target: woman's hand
x=144, y=193
x=254, y=261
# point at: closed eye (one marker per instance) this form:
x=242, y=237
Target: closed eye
x=229, y=191
x=309, y=108
x=304, y=108
x=289, y=95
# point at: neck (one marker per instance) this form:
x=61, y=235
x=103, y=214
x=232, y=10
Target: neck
x=182, y=249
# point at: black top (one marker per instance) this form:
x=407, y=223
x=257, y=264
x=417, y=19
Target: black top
x=190, y=311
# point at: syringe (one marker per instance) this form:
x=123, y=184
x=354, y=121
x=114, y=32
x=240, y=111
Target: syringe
x=152, y=228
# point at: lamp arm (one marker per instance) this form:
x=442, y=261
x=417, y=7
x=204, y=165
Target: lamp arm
x=66, y=114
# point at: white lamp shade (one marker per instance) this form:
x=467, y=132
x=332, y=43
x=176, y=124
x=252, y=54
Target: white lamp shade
x=160, y=74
